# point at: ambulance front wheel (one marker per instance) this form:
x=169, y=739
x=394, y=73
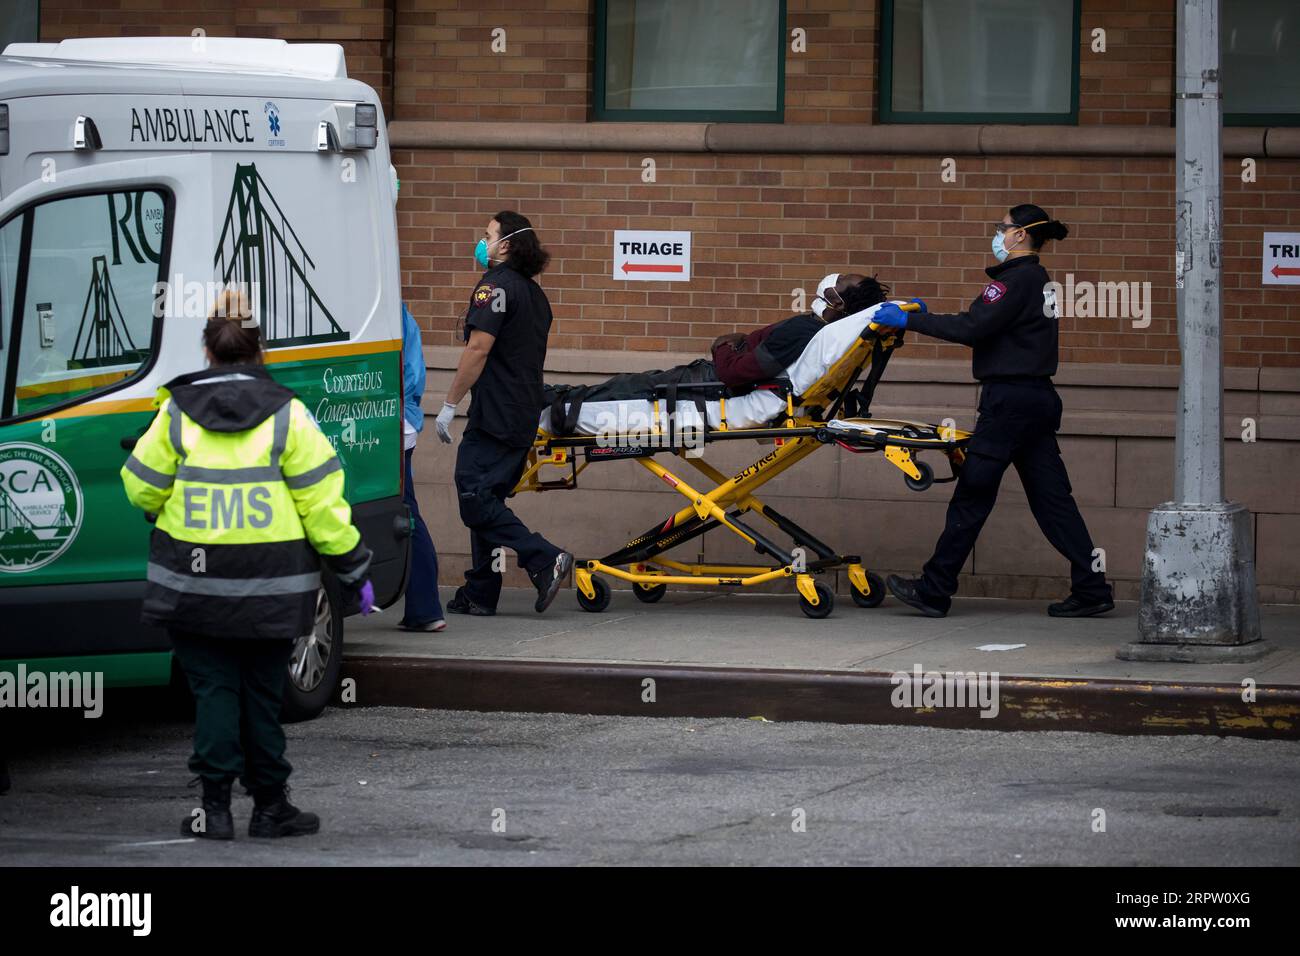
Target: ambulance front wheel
x=874, y=598
x=597, y=603
x=825, y=603
x=926, y=479
x=317, y=658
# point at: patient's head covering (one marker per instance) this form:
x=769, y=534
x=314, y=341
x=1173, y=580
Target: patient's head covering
x=824, y=288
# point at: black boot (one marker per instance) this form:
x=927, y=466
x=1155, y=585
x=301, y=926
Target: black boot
x=275, y=816
x=908, y=590
x=215, y=823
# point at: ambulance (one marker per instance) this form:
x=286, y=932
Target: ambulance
x=138, y=178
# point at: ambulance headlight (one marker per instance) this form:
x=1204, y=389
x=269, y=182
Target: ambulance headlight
x=4, y=129
x=366, y=121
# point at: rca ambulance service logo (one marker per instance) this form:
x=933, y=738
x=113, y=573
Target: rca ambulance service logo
x=40, y=507
x=994, y=291
x=482, y=294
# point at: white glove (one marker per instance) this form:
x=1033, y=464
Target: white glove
x=443, y=422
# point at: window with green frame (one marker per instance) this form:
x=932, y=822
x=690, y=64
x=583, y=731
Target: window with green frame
x=685, y=61
x=1260, y=62
x=995, y=61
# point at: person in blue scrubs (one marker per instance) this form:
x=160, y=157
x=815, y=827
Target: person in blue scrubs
x=423, y=604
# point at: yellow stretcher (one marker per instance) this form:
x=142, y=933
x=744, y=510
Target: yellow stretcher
x=808, y=423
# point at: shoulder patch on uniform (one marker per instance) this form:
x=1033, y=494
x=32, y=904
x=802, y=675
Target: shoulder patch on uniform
x=483, y=293
x=994, y=291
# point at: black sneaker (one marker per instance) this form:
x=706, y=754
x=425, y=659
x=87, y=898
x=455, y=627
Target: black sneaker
x=906, y=590
x=548, y=580
x=215, y=823
x=463, y=604
x=1075, y=606
x=275, y=816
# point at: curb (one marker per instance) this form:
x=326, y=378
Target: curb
x=1024, y=703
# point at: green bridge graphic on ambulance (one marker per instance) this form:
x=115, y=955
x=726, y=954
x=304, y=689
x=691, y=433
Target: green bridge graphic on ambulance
x=40, y=507
x=258, y=249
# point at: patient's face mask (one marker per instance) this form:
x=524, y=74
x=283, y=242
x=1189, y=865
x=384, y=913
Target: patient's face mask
x=826, y=296
x=481, y=250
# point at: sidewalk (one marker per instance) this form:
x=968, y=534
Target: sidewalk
x=748, y=655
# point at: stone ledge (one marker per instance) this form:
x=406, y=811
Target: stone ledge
x=900, y=139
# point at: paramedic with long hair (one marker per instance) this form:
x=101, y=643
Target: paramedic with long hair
x=249, y=497
x=506, y=327
x=1011, y=328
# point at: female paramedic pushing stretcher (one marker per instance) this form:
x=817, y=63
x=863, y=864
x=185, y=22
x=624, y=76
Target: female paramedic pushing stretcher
x=1012, y=330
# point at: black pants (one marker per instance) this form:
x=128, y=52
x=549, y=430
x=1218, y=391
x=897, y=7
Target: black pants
x=486, y=473
x=238, y=685
x=1017, y=426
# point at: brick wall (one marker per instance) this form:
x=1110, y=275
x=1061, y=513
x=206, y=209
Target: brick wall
x=363, y=27
x=432, y=59
x=764, y=225
x=446, y=69
x=1132, y=82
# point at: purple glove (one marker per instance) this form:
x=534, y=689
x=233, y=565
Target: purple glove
x=367, y=597
x=924, y=307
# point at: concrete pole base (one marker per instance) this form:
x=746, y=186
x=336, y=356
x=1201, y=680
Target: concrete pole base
x=1195, y=653
x=1198, y=586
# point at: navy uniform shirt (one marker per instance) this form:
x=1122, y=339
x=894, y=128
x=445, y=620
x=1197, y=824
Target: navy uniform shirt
x=1011, y=326
x=508, y=394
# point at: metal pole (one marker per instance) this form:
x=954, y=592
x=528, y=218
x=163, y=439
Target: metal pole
x=1198, y=579
x=1198, y=160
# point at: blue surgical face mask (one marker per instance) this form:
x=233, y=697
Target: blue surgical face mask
x=999, y=248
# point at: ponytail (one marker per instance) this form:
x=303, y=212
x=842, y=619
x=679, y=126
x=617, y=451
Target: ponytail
x=1038, y=224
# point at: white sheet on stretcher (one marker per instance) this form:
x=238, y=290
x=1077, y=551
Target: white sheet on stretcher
x=758, y=408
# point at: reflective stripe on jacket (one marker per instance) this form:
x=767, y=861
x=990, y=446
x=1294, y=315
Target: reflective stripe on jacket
x=244, y=513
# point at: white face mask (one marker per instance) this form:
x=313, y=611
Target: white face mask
x=820, y=303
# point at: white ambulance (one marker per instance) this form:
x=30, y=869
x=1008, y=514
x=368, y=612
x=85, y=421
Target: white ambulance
x=137, y=178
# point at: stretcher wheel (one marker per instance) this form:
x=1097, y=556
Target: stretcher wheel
x=649, y=593
x=600, y=601
x=926, y=479
x=874, y=598
x=825, y=603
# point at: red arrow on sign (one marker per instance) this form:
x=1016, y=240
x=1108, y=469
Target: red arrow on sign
x=1278, y=272
x=647, y=267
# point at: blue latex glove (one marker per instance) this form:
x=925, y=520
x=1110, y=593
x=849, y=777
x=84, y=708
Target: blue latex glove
x=890, y=315
x=924, y=307
x=367, y=597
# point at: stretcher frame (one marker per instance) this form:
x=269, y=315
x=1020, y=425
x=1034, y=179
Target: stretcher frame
x=809, y=423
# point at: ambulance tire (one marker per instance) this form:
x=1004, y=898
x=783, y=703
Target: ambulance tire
x=599, y=602
x=304, y=703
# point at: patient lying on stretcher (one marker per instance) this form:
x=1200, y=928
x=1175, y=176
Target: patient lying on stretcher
x=742, y=360
x=800, y=347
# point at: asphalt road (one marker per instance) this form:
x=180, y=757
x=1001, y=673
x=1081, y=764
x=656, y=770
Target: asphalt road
x=398, y=786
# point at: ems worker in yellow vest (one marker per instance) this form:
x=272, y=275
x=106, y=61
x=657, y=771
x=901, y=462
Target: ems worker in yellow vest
x=249, y=498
